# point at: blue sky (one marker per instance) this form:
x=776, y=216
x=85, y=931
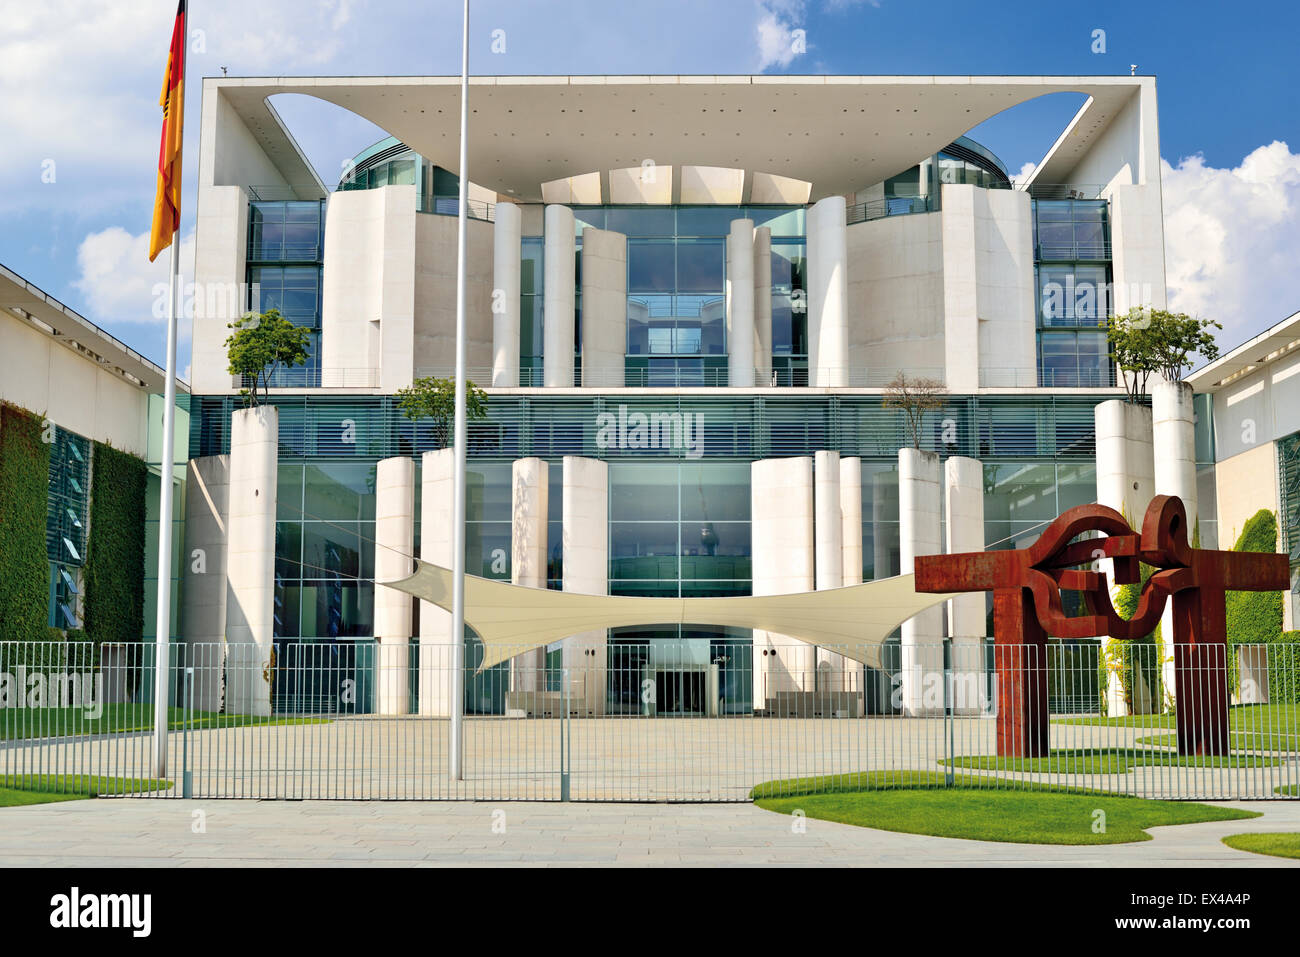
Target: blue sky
x=80, y=83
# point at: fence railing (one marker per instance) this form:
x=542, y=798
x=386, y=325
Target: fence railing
x=698, y=719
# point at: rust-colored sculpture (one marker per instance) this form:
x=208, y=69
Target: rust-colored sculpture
x=1027, y=584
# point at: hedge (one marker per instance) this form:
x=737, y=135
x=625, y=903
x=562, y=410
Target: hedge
x=24, y=494
x=114, y=570
x=1255, y=616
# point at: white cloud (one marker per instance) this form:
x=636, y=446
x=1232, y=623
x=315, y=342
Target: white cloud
x=1026, y=171
x=119, y=283
x=775, y=31
x=1231, y=237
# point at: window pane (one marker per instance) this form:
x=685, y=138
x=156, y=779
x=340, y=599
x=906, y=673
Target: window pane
x=650, y=267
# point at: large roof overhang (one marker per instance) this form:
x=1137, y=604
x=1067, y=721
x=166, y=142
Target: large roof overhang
x=79, y=334
x=1270, y=345
x=841, y=133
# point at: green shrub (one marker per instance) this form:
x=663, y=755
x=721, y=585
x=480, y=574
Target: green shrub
x=114, y=572
x=24, y=564
x=1132, y=656
x=1253, y=617
x=1284, y=669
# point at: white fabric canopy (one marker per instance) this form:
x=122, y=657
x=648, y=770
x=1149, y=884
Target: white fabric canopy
x=510, y=619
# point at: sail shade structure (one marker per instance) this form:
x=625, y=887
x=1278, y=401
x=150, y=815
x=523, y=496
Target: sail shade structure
x=510, y=619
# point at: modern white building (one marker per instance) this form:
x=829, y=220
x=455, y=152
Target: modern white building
x=686, y=295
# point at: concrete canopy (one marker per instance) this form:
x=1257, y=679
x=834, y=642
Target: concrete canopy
x=511, y=619
x=841, y=133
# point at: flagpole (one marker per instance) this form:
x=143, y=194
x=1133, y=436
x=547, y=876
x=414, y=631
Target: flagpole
x=162, y=637
x=458, y=517
x=163, y=625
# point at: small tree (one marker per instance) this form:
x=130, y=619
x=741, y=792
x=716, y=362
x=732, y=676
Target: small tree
x=914, y=397
x=260, y=345
x=433, y=398
x=1146, y=341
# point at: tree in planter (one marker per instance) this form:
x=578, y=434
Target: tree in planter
x=914, y=397
x=262, y=344
x=435, y=399
x=1146, y=341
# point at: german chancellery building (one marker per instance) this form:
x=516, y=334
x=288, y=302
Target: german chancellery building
x=686, y=297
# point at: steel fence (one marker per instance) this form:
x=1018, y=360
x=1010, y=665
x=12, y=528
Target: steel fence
x=691, y=720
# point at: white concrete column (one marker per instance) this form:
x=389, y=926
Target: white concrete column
x=1173, y=433
x=740, y=304
x=782, y=547
x=437, y=486
x=1125, y=482
x=394, y=549
x=828, y=538
x=851, y=519
x=963, y=489
x=557, y=298
x=507, y=230
x=604, y=307
x=250, y=569
x=586, y=572
x=922, y=634
x=530, y=488
x=203, y=595
x=762, y=305
x=828, y=293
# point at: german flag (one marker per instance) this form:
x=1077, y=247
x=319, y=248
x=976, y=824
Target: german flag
x=167, y=201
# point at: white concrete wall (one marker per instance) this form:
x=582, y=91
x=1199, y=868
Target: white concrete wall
x=437, y=477
x=988, y=283
x=586, y=571
x=394, y=551
x=368, y=289
x=203, y=574
x=762, y=305
x=435, y=297
x=604, y=307
x=851, y=519
x=896, y=295
x=530, y=488
x=49, y=379
x=557, y=298
x=250, y=569
x=783, y=561
x=919, y=534
x=740, y=294
x=1137, y=239
x=828, y=294
x=963, y=491
x=506, y=234
x=221, y=273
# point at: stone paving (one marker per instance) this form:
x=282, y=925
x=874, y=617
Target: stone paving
x=144, y=832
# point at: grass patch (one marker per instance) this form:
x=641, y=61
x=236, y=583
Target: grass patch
x=1248, y=718
x=918, y=803
x=1242, y=741
x=1288, y=790
x=1107, y=761
x=17, y=790
x=25, y=723
x=1275, y=845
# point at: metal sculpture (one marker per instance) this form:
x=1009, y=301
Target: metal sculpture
x=1027, y=585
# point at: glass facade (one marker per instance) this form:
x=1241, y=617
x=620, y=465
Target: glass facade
x=285, y=257
x=66, y=519
x=1073, y=275
x=676, y=282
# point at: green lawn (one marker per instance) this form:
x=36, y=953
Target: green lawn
x=60, y=722
x=1275, y=845
x=1107, y=761
x=918, y=803
x=17, y=790
x=1250, y=718
x=1246, y=742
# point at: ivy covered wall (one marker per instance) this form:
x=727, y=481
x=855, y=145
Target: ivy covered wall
x=24, y=567
x=114, y=571
x=1255, y=616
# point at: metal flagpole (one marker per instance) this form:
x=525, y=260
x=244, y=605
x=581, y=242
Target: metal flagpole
x=163, y=634
x=458, y=504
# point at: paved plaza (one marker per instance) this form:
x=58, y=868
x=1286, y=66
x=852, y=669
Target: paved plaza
x=161, y=833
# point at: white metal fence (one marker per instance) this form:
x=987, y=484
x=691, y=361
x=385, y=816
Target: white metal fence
x=629, y=721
